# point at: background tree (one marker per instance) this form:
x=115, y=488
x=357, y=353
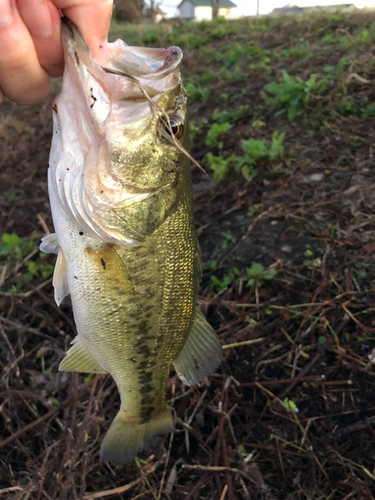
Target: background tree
x=215, y=8
x=151, y=9
x=129, y=10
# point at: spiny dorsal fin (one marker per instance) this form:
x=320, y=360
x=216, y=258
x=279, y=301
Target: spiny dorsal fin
x=78, y=359
x=201, y=354
x=60, y=279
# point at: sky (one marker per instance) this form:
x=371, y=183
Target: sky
x=248, y=7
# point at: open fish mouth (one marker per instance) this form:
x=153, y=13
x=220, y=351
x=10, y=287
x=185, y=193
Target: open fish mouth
x=132, y=77
x=102, y=153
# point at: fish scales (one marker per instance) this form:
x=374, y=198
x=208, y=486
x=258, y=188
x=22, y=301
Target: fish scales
x=121, y=200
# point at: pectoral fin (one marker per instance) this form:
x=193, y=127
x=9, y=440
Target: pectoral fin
x=78, y=359
x=49, y=244
x=201, y=354
x=60, y=280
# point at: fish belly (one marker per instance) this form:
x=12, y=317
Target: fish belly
x=134, y=308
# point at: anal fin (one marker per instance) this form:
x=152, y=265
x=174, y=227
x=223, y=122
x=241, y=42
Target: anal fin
x=201, y=354
x=78, y=359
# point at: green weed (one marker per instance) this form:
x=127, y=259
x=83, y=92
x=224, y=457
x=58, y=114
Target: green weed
x=38, y=269
x=310, y=261
x=227, y=281
x=292, y=93
x=230, y=116
x=327, y=39
x=253, y=277
x=220, y=166
x=346, y=107
x=189, y=41
x=14, y=250
x=346, y=44
x=363, y=38
x=232, y=76
x=369, y=110
x=262, y=64
x=14, y=247
x=207, y=77
x=215, y=132
x=233, y=55
x=339, y=68
x=197, y=93
x=256, y=151
x=257, y=275
x=228, y=240
x=300, y=51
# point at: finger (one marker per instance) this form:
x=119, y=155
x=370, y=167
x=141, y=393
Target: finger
x=92, y=18
x=22, y=78
x=42, y=19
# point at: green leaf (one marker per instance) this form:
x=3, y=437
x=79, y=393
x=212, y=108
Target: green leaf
x=11, y=239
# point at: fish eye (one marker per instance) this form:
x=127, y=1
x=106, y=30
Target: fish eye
x=175, y=125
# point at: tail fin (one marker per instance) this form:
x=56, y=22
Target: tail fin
x=126, y=438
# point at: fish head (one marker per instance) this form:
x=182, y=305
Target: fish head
x=124, y=130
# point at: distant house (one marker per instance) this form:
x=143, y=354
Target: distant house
x=154, y=14
x=202, y=9
x=294, y=9
x=288, y=9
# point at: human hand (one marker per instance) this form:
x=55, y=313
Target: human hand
x=30, y=42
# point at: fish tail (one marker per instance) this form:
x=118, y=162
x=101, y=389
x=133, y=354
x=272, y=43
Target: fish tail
x=125, y=438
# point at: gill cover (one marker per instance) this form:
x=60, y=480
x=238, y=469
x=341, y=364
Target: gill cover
x=101, y=109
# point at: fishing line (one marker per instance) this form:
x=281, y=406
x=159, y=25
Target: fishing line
x=170, y=137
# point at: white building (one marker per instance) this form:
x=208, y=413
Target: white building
x=202, y=9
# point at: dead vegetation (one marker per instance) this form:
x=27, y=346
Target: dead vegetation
x=291, y=412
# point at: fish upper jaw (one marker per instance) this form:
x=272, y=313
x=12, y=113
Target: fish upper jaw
x=99, y=113
x=117, y=94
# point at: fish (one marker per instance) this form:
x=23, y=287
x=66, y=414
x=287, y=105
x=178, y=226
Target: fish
x=120, y=189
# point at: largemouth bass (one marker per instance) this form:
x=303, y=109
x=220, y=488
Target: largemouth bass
x=121, y=198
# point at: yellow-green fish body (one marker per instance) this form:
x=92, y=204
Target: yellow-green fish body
x=121, y=199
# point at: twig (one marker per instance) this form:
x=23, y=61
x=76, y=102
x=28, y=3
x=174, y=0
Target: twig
x=362, y=326
x=30, y=426
x=216, y=468
x=51, y=413
x=261, y=216
x=12, y=488
x=245, y=342
x=301, y=374
x=166, y=465
x=224, y=492
x=121, y=489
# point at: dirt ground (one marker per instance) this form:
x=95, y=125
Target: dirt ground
x=288, y=284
